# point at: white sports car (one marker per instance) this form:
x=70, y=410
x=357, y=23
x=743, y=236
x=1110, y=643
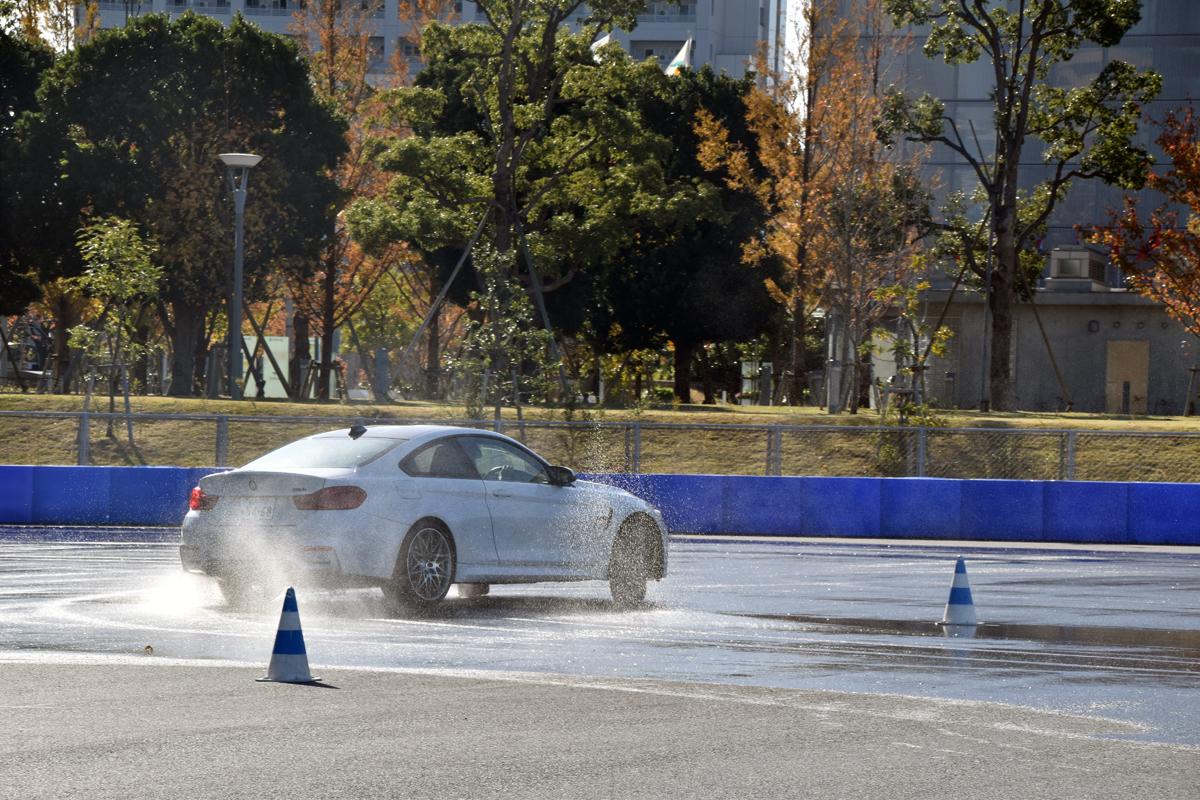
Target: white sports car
x=414, y=509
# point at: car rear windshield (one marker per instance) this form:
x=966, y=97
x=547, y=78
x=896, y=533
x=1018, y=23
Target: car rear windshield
x=327, y=453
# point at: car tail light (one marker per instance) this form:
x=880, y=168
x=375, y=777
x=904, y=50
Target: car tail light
x=331, y=498
x=199, y=501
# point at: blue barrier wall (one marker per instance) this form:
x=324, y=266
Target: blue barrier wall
x=924, y=508
x=1082, y=512
x=96, y=495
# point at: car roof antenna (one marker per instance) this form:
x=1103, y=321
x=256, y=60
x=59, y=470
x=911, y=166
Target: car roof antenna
x=357, y=431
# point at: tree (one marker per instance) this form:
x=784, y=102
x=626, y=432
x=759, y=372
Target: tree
x=335, y=38
x=122, y=277
x=677, y=273
x=1084, y=132
x=523, y=87
x=844, y=212
x=1160, y=256
x=22, y=63
x=786, y=115
x=146, y=146
x=575, y=144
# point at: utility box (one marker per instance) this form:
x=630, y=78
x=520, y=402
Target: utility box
x=756, y=383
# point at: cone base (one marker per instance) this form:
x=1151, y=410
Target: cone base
x=280, y=680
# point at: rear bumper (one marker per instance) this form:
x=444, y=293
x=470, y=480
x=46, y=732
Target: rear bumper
x=285, y=555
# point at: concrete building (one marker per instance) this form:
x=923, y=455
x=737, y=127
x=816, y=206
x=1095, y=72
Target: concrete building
x=1115, y=350
x=1083, y=344
x=726, y=33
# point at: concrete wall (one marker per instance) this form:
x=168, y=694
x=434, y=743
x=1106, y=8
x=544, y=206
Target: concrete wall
x=924, y=508
x=1080, y=351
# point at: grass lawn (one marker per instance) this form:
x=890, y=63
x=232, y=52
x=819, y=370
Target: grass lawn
x=979, y=450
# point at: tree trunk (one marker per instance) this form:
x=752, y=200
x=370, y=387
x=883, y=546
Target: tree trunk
x=186, y=338
x=706, y=370
x=683, y=371
x=433, y=346
x=65, y=318
x=1002, y=299
x=327, y=329
x=799, y=352
x=301, y=354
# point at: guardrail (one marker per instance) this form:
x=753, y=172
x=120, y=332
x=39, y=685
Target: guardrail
x=636, y=446
x=899, y=508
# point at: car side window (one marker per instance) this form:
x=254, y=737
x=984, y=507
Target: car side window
x=440, y=459
x=499, y=461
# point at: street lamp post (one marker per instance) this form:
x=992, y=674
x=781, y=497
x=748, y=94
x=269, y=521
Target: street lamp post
x=238, y=166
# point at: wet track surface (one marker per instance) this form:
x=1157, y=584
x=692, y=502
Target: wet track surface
x=1106, y=633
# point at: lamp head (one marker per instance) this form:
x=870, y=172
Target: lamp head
x=240, y=159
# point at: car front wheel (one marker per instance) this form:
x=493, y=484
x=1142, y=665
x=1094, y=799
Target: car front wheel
x=627, y=569
x=425, y=569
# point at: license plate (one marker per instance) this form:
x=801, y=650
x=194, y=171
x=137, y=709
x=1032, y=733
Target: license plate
x=262, y=510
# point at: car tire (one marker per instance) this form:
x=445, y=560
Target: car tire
x=424, y=569
x=627, y=568
x=241, y=594
x=473, y=591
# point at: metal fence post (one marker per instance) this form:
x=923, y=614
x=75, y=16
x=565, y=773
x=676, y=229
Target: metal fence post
x=922, y=437
x=222, y=441
x=85, y=439
x=637, y=447
x=628, y=463
x=1070, y=456
x=774, y=450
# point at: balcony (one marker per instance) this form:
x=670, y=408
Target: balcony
x=120, y=5
x=664, y=13
x=218, y=8
x=271, y=8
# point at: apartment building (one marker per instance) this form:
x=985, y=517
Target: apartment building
x=726, y=33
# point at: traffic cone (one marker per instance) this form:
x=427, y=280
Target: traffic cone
x=960, y=610
x=289, y=660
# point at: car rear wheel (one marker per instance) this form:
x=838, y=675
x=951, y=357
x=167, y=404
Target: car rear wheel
x=627, y=569
x=241, y=593
x=425, y=569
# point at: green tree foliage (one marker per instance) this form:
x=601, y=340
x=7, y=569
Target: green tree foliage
x=1079, y=133
x=677, y=273
x=22, y=63
x=122, y=277
x=131, y=123
x=607, y=180
x=503, y=356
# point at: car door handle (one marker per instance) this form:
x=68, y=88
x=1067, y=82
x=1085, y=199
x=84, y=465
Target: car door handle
x=500, y=493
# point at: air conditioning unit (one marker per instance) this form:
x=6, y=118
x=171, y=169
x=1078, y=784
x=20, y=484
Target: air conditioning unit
x=1076, y=269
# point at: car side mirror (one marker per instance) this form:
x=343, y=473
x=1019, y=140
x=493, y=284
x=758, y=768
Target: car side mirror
x=561, y=476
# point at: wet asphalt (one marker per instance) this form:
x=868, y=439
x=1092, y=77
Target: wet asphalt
x=1096, y=648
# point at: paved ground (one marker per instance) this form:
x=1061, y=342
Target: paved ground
x=171, y=731
x=781, y=669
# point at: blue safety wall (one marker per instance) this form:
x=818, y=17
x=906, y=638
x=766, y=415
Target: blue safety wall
x=96, y=495
x=926, y=508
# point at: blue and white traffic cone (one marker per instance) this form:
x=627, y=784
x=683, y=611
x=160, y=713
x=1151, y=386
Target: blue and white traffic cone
x=289, y=659
x=960, y=610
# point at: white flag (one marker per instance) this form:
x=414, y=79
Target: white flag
x=682, y=59
x=603, y=40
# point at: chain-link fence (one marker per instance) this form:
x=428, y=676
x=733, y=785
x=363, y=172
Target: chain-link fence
x=633, y=446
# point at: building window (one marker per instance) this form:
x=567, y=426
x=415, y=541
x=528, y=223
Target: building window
x=374, y=53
